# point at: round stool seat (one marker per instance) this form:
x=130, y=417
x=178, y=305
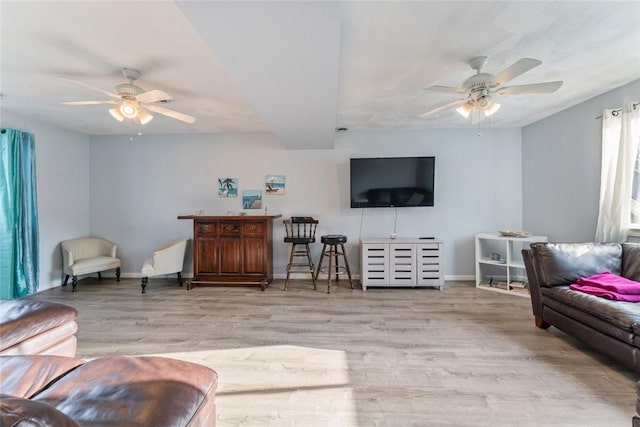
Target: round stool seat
x=333, y=239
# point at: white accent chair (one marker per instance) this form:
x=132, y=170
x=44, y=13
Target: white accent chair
x=167, y=259
x=88, y=255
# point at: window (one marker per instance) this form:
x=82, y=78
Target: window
x=620, y=175
x=635, y=195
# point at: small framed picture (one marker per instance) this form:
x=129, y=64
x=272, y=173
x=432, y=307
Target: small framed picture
x=228, y=187
x=274, y=185
x=252, y=199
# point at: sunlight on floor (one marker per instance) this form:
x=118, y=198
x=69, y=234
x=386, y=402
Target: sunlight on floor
x=279, y=385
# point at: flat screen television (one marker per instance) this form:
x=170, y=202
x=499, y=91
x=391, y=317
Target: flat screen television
x=392, y=182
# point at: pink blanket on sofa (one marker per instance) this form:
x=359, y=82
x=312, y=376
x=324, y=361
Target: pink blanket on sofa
x=610, y=286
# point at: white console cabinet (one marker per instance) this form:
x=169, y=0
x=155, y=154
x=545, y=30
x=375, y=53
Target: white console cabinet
x=409, y=262
x=499, y=264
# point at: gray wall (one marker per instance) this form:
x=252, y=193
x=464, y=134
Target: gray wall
x=561, y=168
x=544, y=179
x=62, y=168
x=139, y=187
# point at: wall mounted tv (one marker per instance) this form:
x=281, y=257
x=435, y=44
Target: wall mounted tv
x=392, y=182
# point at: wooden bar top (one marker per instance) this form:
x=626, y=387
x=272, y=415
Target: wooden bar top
x=221, y=217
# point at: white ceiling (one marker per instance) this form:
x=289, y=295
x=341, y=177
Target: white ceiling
x=300, y=69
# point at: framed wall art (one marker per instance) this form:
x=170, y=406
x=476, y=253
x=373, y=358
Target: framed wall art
x=252, y=199
x=274, y=184
x=228, y=187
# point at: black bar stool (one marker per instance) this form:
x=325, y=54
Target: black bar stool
x=332, y=241
x=300, y=231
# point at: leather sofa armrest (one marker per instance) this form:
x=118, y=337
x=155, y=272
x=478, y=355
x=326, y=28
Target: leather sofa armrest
x=534, y=285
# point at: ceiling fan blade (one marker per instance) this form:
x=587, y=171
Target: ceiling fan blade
x=442, y=107
x=448, y=89
x=546, y=87
x=106, y=92
x=153, y=96
x=171, y=113
x=514, y=70
x=89, y=102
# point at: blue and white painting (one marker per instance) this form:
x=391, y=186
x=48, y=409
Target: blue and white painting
x=252, y=199
x=228, y=187
x=274, y=184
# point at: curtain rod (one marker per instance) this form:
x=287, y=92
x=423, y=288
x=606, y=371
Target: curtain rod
x=617, y=110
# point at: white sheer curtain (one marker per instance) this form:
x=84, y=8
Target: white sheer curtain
x=620, y=135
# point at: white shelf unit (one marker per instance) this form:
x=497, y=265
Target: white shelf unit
x=494, y=275
x=403, y=262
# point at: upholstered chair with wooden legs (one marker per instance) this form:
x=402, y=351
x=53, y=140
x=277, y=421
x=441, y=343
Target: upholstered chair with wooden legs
x=88, y=255
x=300, y=231
x=167, y=259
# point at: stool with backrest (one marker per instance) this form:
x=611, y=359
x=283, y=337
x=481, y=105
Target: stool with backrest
x=330, y=249
x=300, y=232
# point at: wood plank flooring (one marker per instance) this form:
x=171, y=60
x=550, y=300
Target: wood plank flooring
x=384, y=357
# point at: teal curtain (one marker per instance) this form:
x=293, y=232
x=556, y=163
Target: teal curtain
x=19, y=263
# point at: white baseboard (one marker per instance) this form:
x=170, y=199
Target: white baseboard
x=294, y=276
x=460, y=277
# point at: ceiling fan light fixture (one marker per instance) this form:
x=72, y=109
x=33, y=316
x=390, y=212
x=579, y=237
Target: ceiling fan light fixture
x=465, y=109
x=129, y=109
x=491, y=109
x=144, y=117
x=115, y=112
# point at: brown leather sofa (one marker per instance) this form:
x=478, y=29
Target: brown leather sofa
x=37, y=327
x=42, y=384
x=611, y=327
x=111, y=391
x=636, y=418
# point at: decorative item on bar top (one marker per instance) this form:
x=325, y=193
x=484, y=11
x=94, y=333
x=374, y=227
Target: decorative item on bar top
x=513, y=233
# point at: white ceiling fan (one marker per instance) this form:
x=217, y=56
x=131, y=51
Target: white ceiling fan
x=480, y=88
x=132, y=102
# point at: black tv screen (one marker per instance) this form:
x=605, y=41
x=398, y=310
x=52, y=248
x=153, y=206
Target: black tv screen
x=392, y=182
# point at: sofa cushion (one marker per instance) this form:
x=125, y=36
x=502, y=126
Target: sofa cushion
x=24, y=376
x=619, y=314
x=631, y=261
x=22, y=319
x=153, y=391
x=91, y=265
x=559, y=264
x=20, y=412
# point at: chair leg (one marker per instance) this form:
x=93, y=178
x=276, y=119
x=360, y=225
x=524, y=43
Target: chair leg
x=74, y=282
x=331, y=255
x=324, y=246
x=143, y=284
x=346, y=264
x=311, y=267
x=180, y=278
x=286, y=281
x=118, y=274
x=66, y=279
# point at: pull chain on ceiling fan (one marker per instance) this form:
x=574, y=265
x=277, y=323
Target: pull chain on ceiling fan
x=133, y=102
x=481, y=87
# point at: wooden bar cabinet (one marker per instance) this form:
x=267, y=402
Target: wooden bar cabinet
x=232, y=250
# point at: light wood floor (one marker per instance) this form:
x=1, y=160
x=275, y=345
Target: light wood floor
x=384, y=357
